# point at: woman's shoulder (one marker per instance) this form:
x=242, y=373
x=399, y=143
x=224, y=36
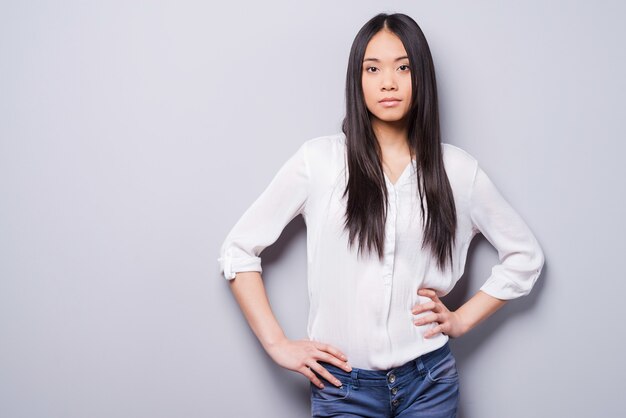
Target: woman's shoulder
x=325, y=146
x=331, y=147
x=460, y=167
x=456, y=158
x=329, y=140
x=325, y=156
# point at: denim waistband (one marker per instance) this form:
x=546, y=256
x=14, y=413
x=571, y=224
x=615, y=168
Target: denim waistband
x=406, y=371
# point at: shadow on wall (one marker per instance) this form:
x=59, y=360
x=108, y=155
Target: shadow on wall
x=465, y=346
x=294, y=386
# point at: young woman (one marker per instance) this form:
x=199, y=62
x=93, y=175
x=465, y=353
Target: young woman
x=390, y=212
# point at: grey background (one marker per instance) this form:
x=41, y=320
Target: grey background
x=134, y=134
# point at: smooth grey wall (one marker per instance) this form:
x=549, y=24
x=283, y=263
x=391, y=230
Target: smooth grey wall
x=134, y=134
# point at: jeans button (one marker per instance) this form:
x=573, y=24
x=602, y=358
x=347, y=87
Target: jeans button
x=394, y=391
x=395, y=402
x=392, y=378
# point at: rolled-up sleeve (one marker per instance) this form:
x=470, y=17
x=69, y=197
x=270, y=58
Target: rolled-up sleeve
x=262, y=223
x=521, y=256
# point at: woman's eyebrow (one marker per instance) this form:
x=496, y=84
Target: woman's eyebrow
x=377, y=60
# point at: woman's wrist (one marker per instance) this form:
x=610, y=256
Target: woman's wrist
x=273, y=341
x=477, y=309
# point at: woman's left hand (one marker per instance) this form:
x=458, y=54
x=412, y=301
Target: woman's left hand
x=449, y=322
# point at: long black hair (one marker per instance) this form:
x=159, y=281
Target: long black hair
x=366, y=209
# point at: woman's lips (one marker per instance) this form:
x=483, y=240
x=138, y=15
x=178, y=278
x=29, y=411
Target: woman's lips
x=389, y=103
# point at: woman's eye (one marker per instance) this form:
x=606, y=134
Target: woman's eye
x=374, y=68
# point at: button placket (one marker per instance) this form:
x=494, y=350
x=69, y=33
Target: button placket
x=390, y=234
x=391, y=379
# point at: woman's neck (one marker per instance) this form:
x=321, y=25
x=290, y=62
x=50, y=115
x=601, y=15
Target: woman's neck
x=392, y=138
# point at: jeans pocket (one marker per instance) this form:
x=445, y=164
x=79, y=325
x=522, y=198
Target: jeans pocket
x=330, y=392
x=444, y=370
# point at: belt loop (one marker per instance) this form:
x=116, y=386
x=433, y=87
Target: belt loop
x=419, y=363
x=354, y=374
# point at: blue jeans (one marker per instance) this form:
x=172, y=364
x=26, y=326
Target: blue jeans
x=425, y=387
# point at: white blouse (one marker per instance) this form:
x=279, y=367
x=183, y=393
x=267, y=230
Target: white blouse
x=363, y=305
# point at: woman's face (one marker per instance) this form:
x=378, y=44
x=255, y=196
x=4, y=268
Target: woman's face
x=386, y=74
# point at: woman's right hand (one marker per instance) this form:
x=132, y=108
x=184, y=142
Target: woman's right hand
x=302, y=355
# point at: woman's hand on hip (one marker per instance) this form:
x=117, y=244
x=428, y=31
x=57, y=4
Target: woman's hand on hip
x=302, y=356
x=449, y=322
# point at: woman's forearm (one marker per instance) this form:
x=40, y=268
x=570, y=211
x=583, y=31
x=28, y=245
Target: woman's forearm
x=301, y=355
x=249, y=292
x=478, y=308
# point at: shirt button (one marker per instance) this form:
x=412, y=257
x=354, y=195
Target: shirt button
x=394, y=391
x=392, y=378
